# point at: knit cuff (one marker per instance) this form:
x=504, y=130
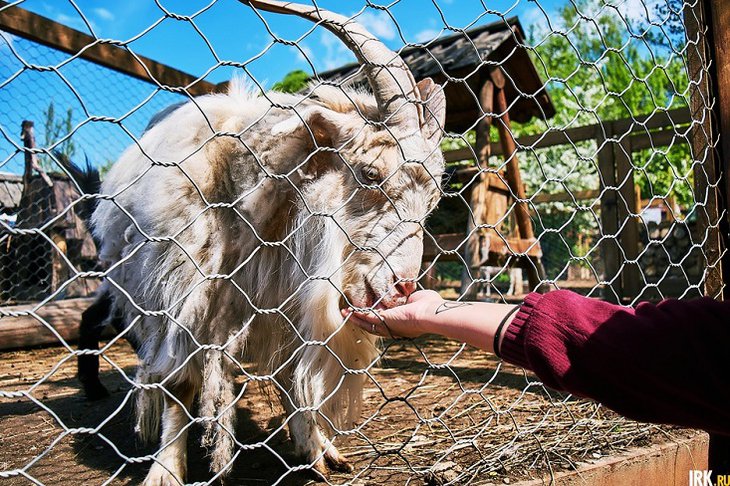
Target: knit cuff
x=512, y=348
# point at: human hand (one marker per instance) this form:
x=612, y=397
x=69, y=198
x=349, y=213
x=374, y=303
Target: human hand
x=408, y=320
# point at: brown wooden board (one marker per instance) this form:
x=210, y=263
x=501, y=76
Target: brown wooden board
x=28, y=25
x=636, y=126
x=26, y=330
x=448, y=247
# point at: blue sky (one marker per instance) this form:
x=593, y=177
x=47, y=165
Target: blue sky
x=225, y=30
x=237, y=34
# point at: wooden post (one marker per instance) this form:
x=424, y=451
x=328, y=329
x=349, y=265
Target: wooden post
x=720, y=25
x=627, y=209
x=27, y=135
x=478, y=197
x=719, y=16
x=610, y=251
x=702, y=147
x=514, y=180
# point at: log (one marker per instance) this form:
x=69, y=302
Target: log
x=22, y=331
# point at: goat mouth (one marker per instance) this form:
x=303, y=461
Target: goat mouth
x=371, y=299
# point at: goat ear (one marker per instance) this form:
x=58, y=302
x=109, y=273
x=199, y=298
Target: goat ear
x=313, y=121
x=434, y=109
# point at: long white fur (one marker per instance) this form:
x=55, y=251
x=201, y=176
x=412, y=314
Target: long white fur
x=170, y=226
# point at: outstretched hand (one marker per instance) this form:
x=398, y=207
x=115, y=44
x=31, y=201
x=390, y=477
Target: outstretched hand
x=408, y=320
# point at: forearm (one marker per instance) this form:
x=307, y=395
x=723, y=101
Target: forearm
x=474, y=323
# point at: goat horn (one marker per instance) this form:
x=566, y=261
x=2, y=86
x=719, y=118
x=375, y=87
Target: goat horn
x=393, y=84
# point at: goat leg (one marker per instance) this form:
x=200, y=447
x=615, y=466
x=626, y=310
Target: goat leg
x=93, y=321
x=309, y=442
x=170, y=466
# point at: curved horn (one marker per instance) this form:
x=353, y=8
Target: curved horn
x=392, y=82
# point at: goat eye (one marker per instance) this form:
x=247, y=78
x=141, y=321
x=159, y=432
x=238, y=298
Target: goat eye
x=371, y=174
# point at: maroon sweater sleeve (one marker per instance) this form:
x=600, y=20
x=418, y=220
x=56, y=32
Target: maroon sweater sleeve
x=665, y=363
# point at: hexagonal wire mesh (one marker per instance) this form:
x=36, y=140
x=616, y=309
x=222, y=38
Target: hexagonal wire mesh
x=231, y=232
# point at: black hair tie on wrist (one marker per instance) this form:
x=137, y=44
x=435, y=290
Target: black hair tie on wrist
x=499, y=330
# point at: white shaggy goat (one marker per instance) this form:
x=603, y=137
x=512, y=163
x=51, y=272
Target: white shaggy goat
x=237, y=228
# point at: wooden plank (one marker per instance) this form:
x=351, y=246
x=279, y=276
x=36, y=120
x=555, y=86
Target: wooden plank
x=42, y=30
x=448, y=247
x=659, y=139
x=21, y=331
x=587, y=195
x=469, y=174
x=703, y=139
x=672, y=118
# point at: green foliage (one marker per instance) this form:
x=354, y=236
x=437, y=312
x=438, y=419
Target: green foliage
x=104, y=168
x=598, y=67
x=292, y=82
x=54, y=128
x=601, y=67
x=598, y=72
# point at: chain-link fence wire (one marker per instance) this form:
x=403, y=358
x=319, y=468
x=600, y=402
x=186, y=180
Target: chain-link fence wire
x=431, y=410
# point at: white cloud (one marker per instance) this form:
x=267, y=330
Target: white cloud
x=534, y=17
x=74, y=21
x=640, y=10
x=104, y=14
x=335, y=54
x=378, y=23
x=427, y=35
x=308, y=54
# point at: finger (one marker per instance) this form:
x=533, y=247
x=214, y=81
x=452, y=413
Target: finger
x=371, y=316
x=370, y=327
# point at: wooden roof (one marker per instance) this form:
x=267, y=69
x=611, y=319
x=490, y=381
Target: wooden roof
x=462, y=62
x=11, y=189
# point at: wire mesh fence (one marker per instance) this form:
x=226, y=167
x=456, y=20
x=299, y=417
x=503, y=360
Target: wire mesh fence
x=558, y=145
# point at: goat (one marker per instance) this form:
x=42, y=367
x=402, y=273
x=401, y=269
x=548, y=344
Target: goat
x=238, y=227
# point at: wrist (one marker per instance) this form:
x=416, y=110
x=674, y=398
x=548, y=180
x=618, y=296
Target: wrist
x=426, y=318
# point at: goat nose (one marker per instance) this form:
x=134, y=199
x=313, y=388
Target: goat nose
x=405, y=287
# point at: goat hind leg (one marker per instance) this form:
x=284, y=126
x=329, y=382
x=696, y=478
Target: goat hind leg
x=93, y=321
x=170, y=465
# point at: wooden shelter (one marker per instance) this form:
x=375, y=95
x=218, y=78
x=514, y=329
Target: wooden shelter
x=34, y=262
x=488, y=78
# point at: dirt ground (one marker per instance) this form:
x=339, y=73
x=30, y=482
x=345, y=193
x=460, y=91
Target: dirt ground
x=438, y=414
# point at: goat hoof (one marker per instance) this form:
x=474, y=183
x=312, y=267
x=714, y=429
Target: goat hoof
x=319, y=471
x=337, y=461
x=94, y=390
x=159, y=476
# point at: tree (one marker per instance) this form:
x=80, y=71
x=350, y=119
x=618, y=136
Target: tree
x=293, y=82
x=56, y=127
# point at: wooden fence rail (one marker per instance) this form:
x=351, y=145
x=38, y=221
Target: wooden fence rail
x=34, y=27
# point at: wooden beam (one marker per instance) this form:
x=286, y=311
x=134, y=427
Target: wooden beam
x=627, y=213
x=25, y=330
x=42, y=30
x=673, y=118
x=448, y=247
